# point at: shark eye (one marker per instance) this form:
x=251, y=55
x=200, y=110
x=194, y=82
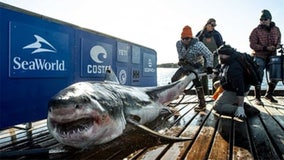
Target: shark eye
x=77, y=106
x=104, y=116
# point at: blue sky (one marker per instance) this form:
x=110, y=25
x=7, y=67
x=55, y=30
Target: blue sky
x=158, y=23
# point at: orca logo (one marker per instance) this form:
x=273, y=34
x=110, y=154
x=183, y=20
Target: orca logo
x=96, y=51
x=40, y=45
x=149, y=63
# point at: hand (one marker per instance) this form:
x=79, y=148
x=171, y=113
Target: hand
x=181, y=62
x=217, y=84
x=209, y=70
x=240, y=112
x=211, y=76
x=271, y=48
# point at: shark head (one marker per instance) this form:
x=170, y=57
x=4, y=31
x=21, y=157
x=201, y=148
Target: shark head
x=80, y=115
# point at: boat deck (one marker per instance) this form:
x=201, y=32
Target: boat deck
x=212, y=136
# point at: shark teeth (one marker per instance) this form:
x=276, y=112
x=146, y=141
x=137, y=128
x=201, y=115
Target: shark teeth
x=74, y=127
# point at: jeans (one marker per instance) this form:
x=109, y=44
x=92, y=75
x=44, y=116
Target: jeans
x=225, y=103
x=263, y=64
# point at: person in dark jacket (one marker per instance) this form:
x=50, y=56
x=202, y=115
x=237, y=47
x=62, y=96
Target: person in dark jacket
x=232, y=80
x=212, y=40
x=264, y=40
x=191, y=54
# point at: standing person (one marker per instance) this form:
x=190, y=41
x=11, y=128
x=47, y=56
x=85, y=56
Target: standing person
x=190, y=53
x=212, y=40
x=264, y=40
x=231, y=100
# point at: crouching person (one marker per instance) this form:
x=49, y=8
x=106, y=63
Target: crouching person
x=231, y=100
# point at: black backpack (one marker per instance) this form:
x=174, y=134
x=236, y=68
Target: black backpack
x=252, y=73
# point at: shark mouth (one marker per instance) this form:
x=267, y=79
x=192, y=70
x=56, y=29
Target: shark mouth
x=73, y=130
x=75, y=127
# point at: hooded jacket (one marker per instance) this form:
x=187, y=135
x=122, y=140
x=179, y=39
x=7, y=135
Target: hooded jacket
x=194, y=53
x=232, y=76
x=263, y=36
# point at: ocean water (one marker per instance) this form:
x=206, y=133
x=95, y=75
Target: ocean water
x=164, y=77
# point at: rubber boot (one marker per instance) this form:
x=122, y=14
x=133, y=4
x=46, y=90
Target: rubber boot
x=201, y=99
x=204, y=82
x=257, y=93
x=269, y=93
x=213, y=81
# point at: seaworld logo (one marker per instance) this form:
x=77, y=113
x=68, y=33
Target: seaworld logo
x=40, y=45
x=38, y=64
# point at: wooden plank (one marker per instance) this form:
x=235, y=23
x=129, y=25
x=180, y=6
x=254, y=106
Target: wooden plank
x=178, y=150
x=241, y=141
x=261, y=143
x=201, y=145
x=221, y=145
x=274, y=130
x=274, y=112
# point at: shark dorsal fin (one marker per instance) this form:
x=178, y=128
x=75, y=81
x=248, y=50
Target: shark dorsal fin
x=110, y=76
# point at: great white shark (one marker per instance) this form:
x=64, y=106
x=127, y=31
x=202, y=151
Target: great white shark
x=92, y=113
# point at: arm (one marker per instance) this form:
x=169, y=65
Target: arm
x=254, y=41
x=240, y=100
x=207, y=54
x=179, y=48
x=279, y=40
x=238, y=83
x=199, y=35
x=218, y=38
x=237, y=79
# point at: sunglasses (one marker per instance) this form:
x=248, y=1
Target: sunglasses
x=187, y=38
x=265, y=19
x=213, y=24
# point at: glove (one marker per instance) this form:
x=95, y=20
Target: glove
x=240, y=112
x=181, y=62
x=209, y=70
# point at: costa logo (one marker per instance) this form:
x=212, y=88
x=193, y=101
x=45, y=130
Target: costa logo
x=98, y=54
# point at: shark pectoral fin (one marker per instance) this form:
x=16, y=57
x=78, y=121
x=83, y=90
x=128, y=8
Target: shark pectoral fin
x=134, y=118
x=156, y=134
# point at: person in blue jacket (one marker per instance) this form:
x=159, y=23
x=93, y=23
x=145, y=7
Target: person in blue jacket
x=212, y=40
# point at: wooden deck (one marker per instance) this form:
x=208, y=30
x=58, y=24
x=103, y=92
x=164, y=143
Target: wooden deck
x=213, y=137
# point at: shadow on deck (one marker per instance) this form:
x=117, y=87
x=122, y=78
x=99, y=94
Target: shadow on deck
x=213, y=137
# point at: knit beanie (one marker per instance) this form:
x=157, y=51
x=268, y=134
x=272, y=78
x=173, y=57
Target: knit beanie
x=265, y=14
x=186, y=32
x=212, y=21
x=225, y=49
